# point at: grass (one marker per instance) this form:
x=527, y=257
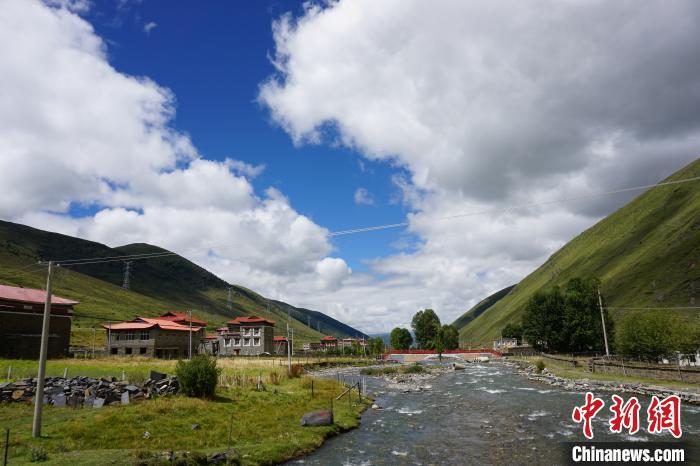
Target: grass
x=266, y=426
x=646, y=255
x=567, y=371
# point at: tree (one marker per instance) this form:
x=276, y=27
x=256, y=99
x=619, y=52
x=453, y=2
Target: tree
x=566, y=320
x=450, y=337
x=400, y=338
x=375, y=346
x=426, y=325
x=656, y=334
x=513, y=331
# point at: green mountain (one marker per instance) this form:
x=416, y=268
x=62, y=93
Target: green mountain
x=156, y=285
x=647, y=254
x=483, y=305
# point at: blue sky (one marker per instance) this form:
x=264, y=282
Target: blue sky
x=213, y=56
x=434, y=108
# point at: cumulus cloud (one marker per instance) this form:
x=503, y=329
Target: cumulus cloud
x=486, y=105
x=76, y=132
x=363, y=197
x=149, y=26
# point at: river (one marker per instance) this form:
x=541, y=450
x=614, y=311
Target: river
x=485, y=414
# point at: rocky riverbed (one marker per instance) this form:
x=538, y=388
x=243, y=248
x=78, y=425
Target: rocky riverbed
x=585, y=385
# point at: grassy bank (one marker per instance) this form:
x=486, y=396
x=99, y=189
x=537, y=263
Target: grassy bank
x=566, y=370
x=265, y=426
x=379, y=371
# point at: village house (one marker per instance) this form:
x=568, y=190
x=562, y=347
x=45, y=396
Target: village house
x=21, y=317
x=312, y=346
x=348, y=342
x=329, y=342
x=504, y=344
x=247, y=336
x=280, y=344
x=159, y=337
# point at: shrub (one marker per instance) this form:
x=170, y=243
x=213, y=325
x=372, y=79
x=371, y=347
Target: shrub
x=198, y=376
x=414, y=369
x=296, y=371
x=38, y=455
x=539, y=365
x=274, y=378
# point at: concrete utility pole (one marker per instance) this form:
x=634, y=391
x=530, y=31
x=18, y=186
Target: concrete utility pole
x=289, y=353
x=127, y=270
x=39, y=396
x=190, y=345
x=602, y=318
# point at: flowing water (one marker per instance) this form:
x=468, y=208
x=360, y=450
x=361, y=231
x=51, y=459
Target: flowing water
x=485, y=414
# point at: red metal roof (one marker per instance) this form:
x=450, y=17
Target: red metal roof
x=251, y=320
x=31, y=295
x=174, y=316
x=143, y=323
x=329, y=338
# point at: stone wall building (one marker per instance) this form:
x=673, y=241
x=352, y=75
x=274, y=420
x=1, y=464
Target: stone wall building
x=153, y=337
x=247, y=336
x=21, y=317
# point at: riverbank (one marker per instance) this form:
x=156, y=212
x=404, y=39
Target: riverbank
x=263, y=425
x=528, y=369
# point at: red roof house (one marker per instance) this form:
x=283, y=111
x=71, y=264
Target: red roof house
x=183, y=318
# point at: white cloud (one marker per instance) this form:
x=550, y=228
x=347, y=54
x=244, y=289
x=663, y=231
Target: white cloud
x=363, y=197
x=73, y=130
x=149, y=26
x=486, y=105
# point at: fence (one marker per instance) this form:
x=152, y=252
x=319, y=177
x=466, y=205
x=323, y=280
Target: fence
x=621, y=366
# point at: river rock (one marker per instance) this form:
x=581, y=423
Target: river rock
x=317, y=418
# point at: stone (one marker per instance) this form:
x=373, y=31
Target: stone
x=147, y=435
x=132, y=388
x=98, y=403
x=59, y=401
x=317, y=418
x=17, y=394
x=155, y=375
x=196, y=427
x=125, y=398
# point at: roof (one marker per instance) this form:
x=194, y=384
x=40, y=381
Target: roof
x=329, y=338
x=251, y=320
x=173, y=316
x=145, y=323
x=280, y=339
x=31, y=295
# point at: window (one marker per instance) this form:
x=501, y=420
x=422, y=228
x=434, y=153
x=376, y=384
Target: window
x=256, y=332
x=246, y=332
x=145, y=335
x=127, y=350
x=130, y=336
x=256, y=341
x=115, y=350
x=237, y=342
x=142, y=350
x=246, y=342
x=227, y=342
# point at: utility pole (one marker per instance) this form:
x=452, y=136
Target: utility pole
x=292, y=344
x=127, y=270
x=602, y=318
x=289, y=352
x=39, y=395
x=190, y=345
x=93, y=342
x=228, y=302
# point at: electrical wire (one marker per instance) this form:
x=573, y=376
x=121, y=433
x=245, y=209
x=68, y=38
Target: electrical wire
x=97, y=260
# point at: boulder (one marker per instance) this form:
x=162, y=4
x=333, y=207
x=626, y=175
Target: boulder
x=317, y=418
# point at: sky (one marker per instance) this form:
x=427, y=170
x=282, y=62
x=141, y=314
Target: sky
x=240, y=134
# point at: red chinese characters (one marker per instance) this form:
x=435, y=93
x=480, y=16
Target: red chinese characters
x=665, y=415
x=587, y=412
x=624, y=415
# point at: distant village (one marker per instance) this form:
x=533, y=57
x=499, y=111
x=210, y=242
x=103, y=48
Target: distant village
x=172, y=335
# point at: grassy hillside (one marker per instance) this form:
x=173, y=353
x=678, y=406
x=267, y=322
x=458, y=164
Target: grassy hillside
x=483, y=305
x=157, y=285
x=646, y=254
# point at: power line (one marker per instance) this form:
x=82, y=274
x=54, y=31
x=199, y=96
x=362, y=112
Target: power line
x=651, y=308
x=97, y=260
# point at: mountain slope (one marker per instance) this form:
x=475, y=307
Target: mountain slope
x=647, y=254
x=483, y=306
x=156, y=285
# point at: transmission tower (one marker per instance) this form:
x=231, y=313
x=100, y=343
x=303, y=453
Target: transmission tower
x=228, y=301
x=127, y=272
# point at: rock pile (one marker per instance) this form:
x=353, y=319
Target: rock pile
x=585, y=385
x=78, y=392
